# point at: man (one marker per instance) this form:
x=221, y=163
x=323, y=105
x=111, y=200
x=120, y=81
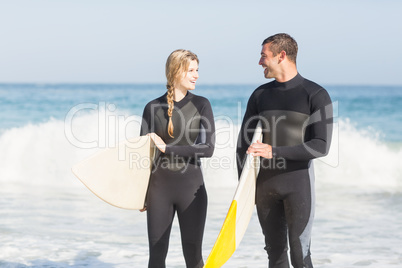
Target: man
x=296, y=116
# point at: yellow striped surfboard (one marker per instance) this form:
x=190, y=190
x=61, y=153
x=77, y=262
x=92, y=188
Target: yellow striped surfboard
x=240, y=211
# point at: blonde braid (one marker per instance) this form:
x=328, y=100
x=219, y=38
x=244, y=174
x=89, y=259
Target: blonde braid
x=176, y=65
x=170, y=92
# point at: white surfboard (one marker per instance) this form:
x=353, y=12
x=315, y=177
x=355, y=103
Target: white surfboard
x=119, y=175
x=240, y=211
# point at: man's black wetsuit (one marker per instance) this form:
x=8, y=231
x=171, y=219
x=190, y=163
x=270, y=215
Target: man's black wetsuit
x=297, y=121
x=176, y=183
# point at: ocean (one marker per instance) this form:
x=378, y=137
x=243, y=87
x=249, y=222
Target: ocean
x=49, y=219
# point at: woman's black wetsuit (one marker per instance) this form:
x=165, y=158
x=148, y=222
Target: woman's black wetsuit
x=297, y=121
x=176, y=183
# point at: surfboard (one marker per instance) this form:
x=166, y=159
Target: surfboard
x=240, y=211
x=119, y=175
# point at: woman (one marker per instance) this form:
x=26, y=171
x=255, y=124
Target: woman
x=182, y=126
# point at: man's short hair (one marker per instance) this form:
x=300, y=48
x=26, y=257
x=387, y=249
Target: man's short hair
x=285, y=42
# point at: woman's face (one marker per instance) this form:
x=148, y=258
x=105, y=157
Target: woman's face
x=190, y=77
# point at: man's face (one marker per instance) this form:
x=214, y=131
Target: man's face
x=269, y=62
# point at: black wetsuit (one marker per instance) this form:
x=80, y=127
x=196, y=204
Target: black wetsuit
x=176, y=183
x=297, y=121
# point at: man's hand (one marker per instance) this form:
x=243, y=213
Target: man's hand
x=158, y=142
x=260, y=149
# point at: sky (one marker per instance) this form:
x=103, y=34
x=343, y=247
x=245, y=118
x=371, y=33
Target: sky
x=128, y=41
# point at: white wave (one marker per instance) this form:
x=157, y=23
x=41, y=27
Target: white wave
x=364, y=161
x=42, y=154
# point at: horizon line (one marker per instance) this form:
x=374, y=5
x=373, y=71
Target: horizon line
x=163, y=84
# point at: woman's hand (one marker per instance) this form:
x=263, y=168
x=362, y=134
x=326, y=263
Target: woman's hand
x=158, y=142
x=260, y=149
x=143, y=209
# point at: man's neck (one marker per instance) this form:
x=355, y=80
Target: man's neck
x=287, y=75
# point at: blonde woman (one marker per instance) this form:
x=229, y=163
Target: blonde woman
x=182, y=127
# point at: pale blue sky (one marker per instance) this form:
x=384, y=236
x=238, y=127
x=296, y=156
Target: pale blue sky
x=128, y=41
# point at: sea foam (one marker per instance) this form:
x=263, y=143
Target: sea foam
x=43, y=154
